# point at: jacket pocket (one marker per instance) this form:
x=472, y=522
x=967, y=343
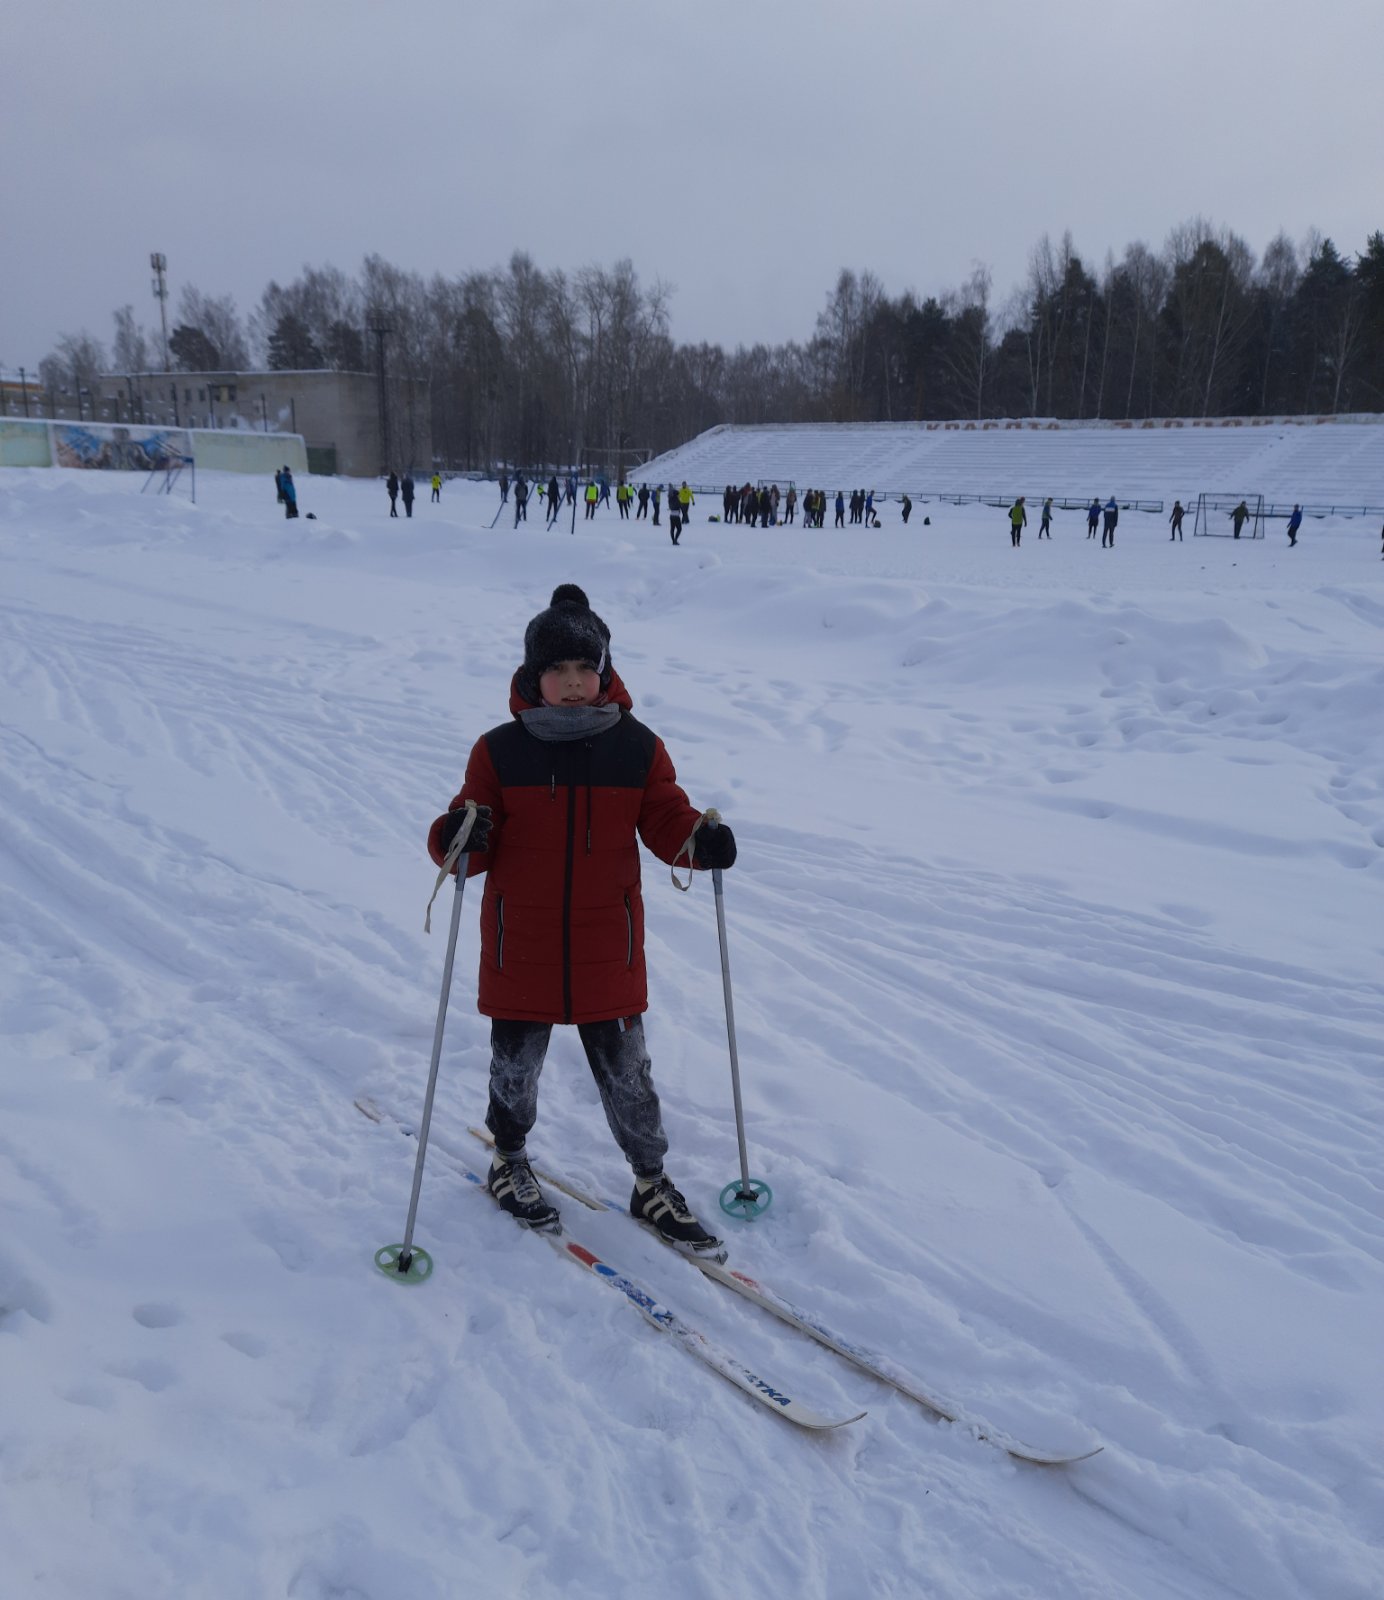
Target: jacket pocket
x=629, y=933
x=500, y=933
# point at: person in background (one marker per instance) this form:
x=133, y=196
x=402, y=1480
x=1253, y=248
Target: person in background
x=1175, y=522
x=504, y=488
x=1294, y=523
x=1092, y=517
x=1045, y=525
x=593, y=495
x=521, y=499
x=437, y=488
x=1112, y=516
x=290, y=493
x=1018, y=521
x=279, y=485
x=406, y=491
x=1239, y=516
x=907, y=510
x=391, y=484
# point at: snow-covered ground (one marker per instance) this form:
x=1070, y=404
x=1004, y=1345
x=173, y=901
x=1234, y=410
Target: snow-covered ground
x=1056, y=937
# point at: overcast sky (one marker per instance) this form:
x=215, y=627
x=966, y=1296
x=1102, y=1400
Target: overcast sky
x=742, y=151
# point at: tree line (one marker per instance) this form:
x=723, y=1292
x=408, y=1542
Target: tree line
x=527, y=366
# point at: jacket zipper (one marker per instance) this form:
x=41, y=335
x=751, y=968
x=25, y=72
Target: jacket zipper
x=500, y=935
x=567, y=903
x=629, y=932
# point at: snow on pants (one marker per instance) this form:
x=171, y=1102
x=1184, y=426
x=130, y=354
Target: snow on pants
x=620, y=1064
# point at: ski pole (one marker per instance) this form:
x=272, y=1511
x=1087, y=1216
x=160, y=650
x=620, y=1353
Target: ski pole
x=402, y=1261
x=750, y=1196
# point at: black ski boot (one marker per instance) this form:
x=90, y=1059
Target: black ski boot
x=656, y=1202
x=515, y=1189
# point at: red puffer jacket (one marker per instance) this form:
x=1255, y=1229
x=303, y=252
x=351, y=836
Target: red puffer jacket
x=562, y=919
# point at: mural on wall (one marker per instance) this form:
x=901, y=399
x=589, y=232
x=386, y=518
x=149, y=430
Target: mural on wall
x=121, y=449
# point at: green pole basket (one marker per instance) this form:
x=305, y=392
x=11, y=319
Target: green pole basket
x=746, y=1198
x=404, y=1266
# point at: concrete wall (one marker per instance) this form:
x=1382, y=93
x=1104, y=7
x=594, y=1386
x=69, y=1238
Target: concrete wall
x=331, y=410
x=114, y=447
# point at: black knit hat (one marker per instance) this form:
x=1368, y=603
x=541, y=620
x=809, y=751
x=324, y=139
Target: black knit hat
x=569, y=630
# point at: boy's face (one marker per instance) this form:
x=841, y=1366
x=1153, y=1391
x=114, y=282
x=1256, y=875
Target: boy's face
x=570, y=683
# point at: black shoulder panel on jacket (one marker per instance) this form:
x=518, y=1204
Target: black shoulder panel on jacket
x=619, y=758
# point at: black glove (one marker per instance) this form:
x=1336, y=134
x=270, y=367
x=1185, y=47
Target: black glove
x=714, y=847
x=479, y=839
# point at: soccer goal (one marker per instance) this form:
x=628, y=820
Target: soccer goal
x=167, y=476
x=1229, y=516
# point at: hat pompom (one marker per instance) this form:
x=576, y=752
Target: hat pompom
x=570, y=594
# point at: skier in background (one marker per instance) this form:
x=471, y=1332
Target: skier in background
x=574, y=919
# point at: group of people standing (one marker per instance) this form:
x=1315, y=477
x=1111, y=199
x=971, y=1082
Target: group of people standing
x=403, y=488
x=1105, y=517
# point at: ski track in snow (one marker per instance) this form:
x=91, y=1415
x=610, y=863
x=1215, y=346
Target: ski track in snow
x=1073, y=1156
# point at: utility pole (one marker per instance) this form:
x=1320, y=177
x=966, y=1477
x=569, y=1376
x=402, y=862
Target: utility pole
x=159, y=263
x=24, y=390
x=380, y=328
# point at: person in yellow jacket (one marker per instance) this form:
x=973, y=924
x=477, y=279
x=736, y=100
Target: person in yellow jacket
x=592, y=495
x=1018, y=520
x=685, y=501
x=437, y=488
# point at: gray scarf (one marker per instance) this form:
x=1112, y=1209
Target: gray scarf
x=561, y=723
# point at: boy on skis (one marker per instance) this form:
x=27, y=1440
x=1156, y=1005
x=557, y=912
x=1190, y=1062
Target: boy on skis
x=561, y=790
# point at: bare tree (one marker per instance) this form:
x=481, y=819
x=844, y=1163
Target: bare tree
x=218, y=321
x=971, y=344
x=130, y=351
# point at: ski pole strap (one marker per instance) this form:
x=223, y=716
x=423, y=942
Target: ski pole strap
x=711, y=817
x=449, y=862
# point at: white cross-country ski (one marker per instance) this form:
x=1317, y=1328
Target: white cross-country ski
x=867, y=1360
x=663, y=1317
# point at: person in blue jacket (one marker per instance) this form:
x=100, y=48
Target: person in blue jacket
x=1294, y=523
x=1112, y=516
x=1092, y=517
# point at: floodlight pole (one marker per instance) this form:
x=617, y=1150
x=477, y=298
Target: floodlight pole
x=159, y=262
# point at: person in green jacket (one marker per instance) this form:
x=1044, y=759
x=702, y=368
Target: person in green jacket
x=1018, y=521
x=592, y=495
